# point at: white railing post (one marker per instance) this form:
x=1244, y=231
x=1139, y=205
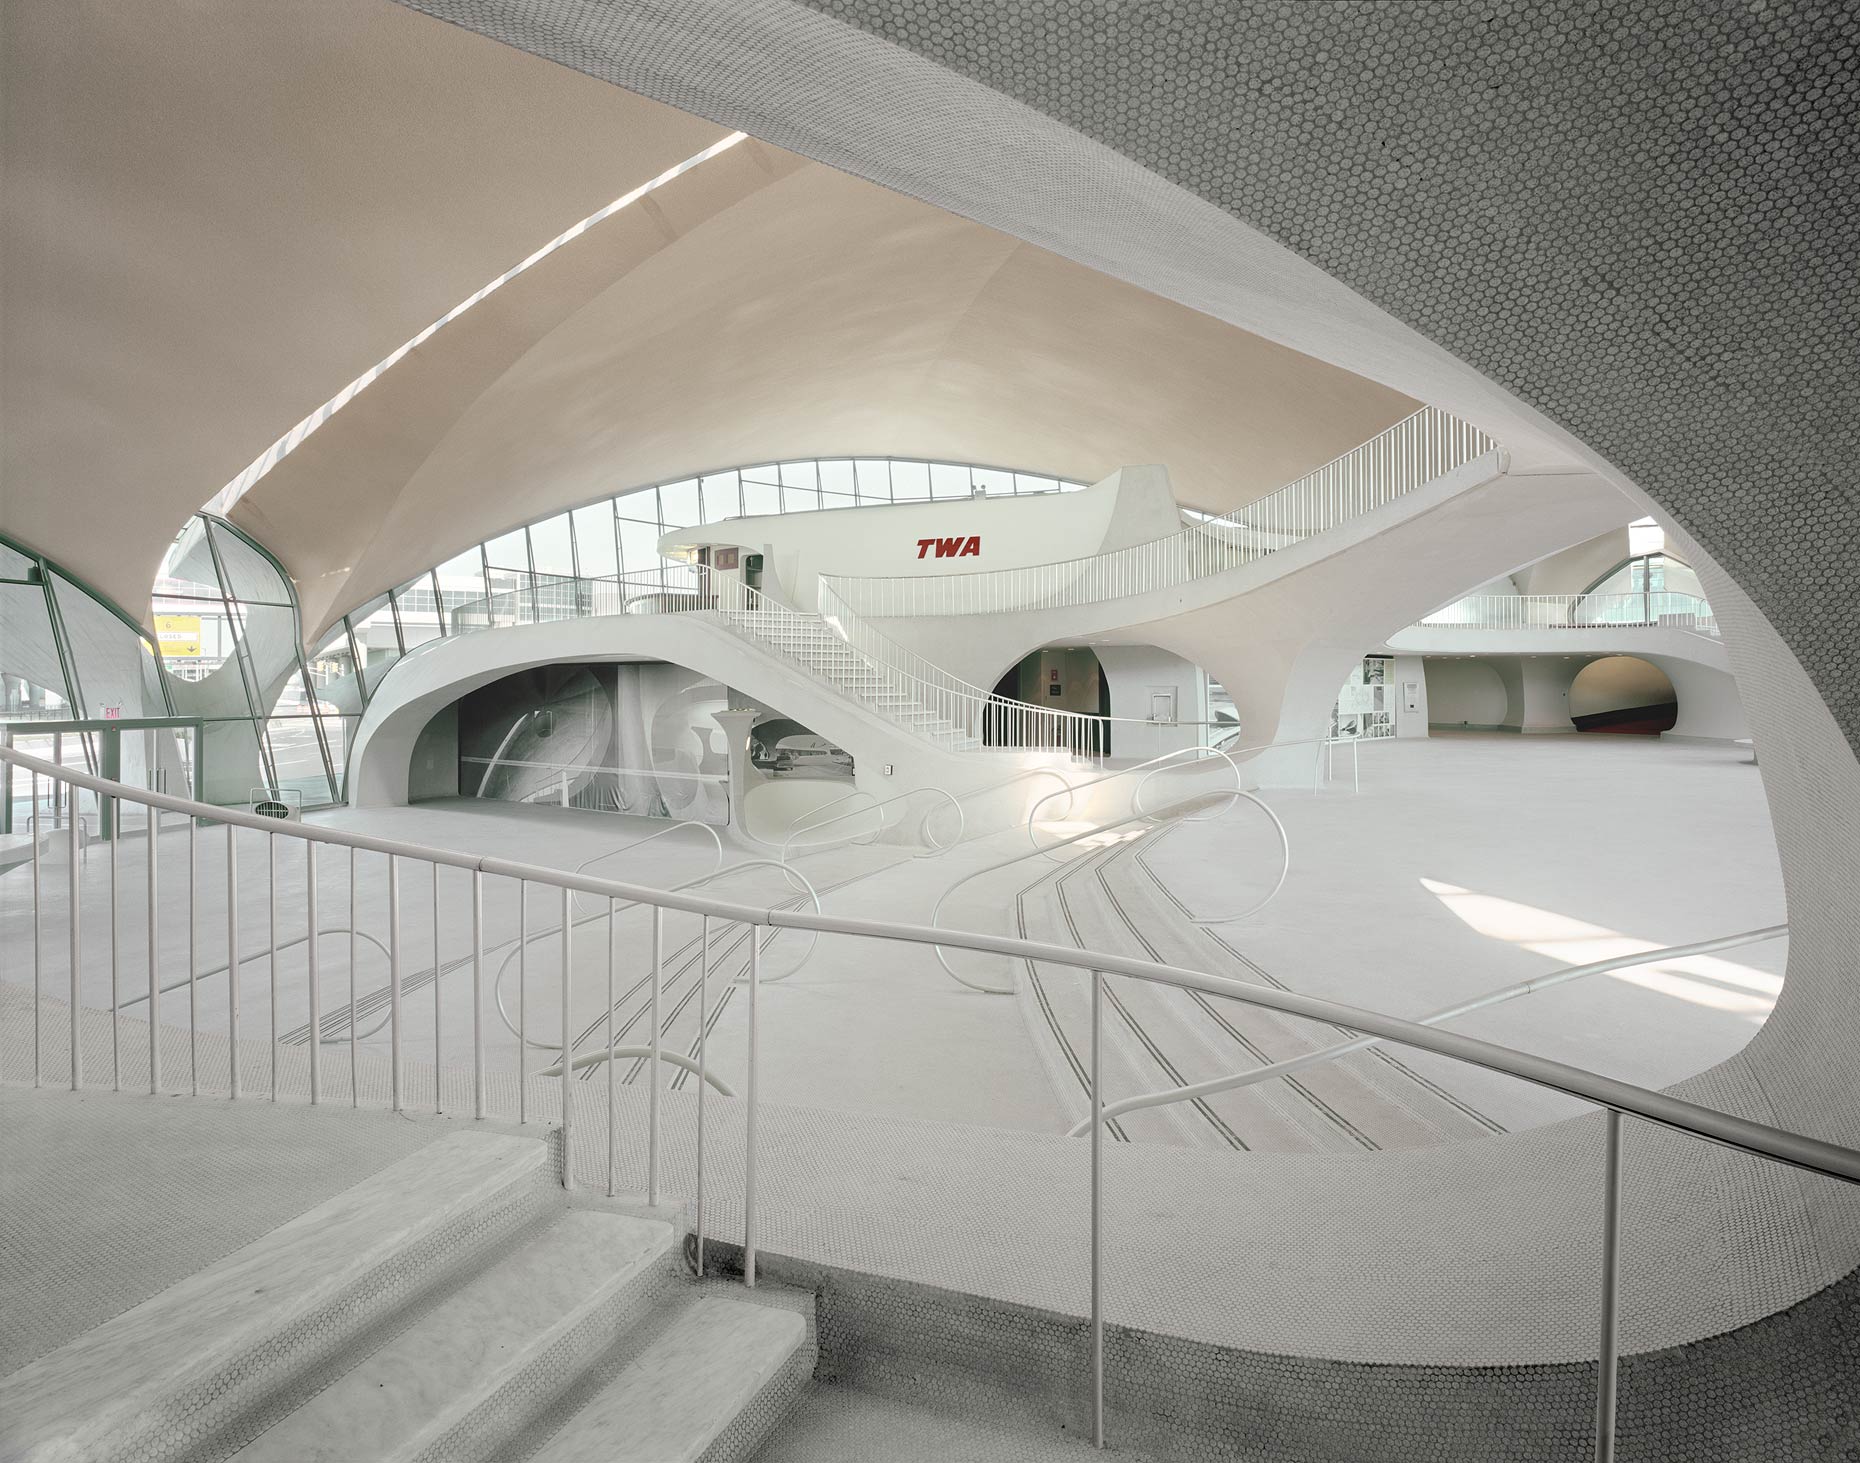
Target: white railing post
x=271, y=940
x=355, y=1083
x=613, y=1147
x=568, y=1038
x=652, y=1086
x=703, y=1075
x=1097, y=1210
x=523, y=981
x=438, y=1051
x=314, y=975
x=1608, y=1360
x=154, y=827
x=73, y=840
x=393, y=873
x=193, y=961
x=232, y=961
x=477, y=995
x=116, y=1015
x=38, y=932
x=751, y=1114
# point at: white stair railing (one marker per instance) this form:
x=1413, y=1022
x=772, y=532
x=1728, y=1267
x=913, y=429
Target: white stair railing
x=1633, y=610
x=581, y=1125
x=908, y=689
x=1409, y=455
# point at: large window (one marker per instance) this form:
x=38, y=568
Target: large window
x=276, y=717
x=555, y=567
x=226, y=619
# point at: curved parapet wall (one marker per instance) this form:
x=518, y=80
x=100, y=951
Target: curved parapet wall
x=424, y=684
x=1718, y=445
x=1699, y=666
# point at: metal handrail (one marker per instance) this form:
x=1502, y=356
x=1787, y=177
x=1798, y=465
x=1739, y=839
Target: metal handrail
x=606, y=771
x=1249, y=1078
x=800, y=825
x=523, y=944
x=1628, y=610
x=1415, y=451
x=1163, y=814
x=1617, y=1098
x=962, y=709
x=1795, y=1149
x=1159, y=762
x=715, y=838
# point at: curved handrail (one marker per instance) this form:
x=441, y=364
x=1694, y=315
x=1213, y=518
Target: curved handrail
x=262, y=953
x=1136, y=796
x=1798, y=1150
x=503, y=969
x=795, y=829
x=1033, y=813
x=1162, y=814
x=657, y=833
x=1647, y=610
x=1417, y=450
x=1171, y=1095
x=644, y=1053
x=1285, y=862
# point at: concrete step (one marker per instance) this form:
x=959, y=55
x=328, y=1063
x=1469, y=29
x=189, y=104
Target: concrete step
x=464, y=1379
x=711, y=1384
x=208, y=1364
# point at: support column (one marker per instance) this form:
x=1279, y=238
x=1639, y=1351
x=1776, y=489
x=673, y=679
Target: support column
x=736, y=723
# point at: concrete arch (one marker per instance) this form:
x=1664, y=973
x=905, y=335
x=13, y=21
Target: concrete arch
x=1702, y=422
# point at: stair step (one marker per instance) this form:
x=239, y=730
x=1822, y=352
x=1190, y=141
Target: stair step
x=707, y=1366
x=463, y=1378
x=212, y=1358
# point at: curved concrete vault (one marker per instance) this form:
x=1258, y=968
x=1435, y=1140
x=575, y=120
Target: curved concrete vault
x=219, y=214
x=764, y=308
x=1612, y=243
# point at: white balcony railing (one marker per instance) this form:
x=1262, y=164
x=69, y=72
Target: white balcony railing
x=1655, y=608
x=841, y=647
x=1409, y=455
x=244, y=1063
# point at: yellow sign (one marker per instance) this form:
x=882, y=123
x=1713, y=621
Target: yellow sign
x=178, y=635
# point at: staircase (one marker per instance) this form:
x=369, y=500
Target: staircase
x=451, y=1307
x=807, y=641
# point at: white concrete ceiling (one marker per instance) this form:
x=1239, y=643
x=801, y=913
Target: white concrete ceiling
x=219, y=212
x=771, y=308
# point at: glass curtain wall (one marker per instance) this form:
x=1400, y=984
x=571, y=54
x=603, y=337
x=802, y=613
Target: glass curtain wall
x=67, y=654
x=554, y=568
x=278, y=719
x=226, y=620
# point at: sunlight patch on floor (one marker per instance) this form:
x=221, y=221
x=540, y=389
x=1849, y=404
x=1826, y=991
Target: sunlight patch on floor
x=1702, y=980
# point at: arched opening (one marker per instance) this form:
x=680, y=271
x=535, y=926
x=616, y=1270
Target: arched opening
x=1624, y=695
x=1115, y=686
x=633, y=737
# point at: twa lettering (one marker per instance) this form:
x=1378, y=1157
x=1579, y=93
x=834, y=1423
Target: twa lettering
x=950, y=548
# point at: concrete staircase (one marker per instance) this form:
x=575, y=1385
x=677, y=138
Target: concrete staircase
x=808, y=642
x=451, y=1307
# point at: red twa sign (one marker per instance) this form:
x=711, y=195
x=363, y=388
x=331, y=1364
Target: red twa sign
x=950, y=548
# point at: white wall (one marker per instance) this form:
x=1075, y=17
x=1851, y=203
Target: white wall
x=1133, y=672
x=1130, y=506
x=1407, y=671
x=1464, y=693
x=434, y=772
x=1574, y=569
x=1616, y=683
